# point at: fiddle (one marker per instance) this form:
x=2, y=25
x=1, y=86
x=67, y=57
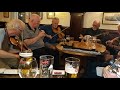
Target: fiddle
x=58, y=32
x=17, y=42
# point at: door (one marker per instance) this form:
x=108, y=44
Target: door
x=76, y=25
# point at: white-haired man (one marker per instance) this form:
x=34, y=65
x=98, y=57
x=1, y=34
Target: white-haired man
x=7, y=58
x=33, y=37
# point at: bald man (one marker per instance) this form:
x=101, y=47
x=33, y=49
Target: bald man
x=94, y=30
x=33, y=37
x=51, y=43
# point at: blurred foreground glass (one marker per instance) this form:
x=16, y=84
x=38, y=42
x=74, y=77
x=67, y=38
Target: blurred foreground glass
x=46, y=66
x=72, y=67
x=28, y=67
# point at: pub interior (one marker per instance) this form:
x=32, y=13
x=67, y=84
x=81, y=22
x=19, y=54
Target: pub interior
x=75, y=45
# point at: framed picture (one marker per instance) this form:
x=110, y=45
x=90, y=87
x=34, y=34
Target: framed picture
x=6, y=14
x=50, y=15
x=111, y=18
x=39, y=13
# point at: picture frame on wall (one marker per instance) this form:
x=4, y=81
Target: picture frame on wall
x=39, y=13
x=111, y=18
x=50, y=15
x=6, y=14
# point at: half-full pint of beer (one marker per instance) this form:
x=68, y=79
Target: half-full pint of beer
x=71, y=73
x=28, y=67
x=71, y=67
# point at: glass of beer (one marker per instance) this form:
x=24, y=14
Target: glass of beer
x=67, y=38
x=72, y=67
x=46, y=66
x=28, y=67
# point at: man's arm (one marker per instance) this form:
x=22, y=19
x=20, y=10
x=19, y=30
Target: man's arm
x=33, y=40
x=4, y=54
x=107, y=74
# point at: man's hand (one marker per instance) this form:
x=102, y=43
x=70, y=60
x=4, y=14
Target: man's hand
x=42, y=33
x=49, y=36
x=107, y=74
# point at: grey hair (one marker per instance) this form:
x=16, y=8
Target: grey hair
x=55, y=18
x=34, y=16
x=15, y=24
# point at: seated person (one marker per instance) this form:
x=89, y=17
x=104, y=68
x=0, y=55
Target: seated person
x=8, y=57
x=55, y=31
x=57, y=35
x=92, y=62
x=33, y=37
x=114, y=44
x=93, y=31
x=110, y=55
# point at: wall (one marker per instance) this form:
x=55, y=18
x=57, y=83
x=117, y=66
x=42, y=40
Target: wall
x=89, y=17
x=63, y=16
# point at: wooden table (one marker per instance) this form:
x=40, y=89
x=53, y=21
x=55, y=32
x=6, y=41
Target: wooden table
x=60, y=48
x=83, y=56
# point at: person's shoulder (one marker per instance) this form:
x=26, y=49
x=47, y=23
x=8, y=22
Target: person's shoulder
x=90, y=28
x=45, y=26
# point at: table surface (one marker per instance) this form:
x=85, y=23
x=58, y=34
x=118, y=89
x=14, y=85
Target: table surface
x=60, y=48
x=12, y=73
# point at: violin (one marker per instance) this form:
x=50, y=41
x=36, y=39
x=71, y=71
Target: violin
x=17, y=42
x=58, y=32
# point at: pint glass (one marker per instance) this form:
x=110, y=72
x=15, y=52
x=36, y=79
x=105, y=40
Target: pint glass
x=72, y=67
x=46, y=66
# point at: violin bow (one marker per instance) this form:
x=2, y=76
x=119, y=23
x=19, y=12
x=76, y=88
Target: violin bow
x=60, y=32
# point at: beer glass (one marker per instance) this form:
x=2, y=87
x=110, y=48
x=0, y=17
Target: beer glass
x=46, y=66
x=71, y=67
x=28, y=67
x=67, y=38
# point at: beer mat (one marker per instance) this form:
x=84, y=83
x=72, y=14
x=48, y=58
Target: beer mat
x=82, y=51
x=58, y=72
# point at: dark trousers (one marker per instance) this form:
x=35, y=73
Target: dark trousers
x=54, y=53
x=91, y=68
x=38, y=52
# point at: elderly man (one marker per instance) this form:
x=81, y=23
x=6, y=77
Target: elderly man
x=93, y=31
x=33, y=37
x=92, y=63
x=7, y=57
x=52, y=30
x=55, y=31
x=108, y=56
